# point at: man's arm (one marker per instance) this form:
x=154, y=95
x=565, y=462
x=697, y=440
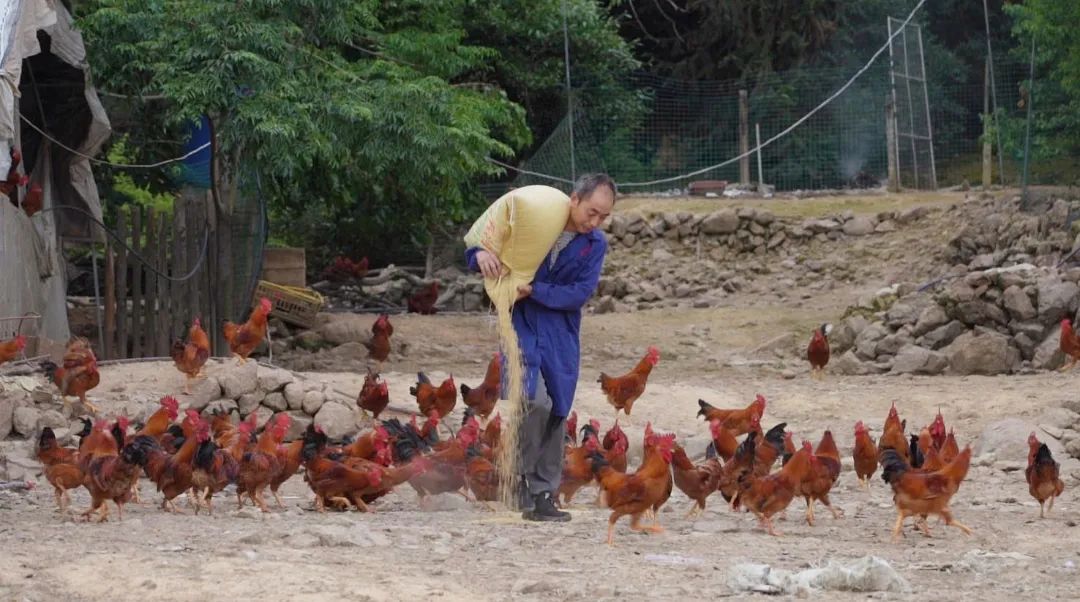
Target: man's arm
x=569, y=297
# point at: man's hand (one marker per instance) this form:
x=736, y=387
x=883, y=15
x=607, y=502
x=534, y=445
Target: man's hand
x=524, y=291
x=490, y=266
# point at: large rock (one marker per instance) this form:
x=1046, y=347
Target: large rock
x=942, y=336
x=930, y=318
x=979, y=313
x=866, y=342
x=1057, y=299
x=249, y=402
x=8, y=400
x=294, y=395
x=1059, y=418
x=904, y=312
x=313, y=401
x=300, y=422
x=54, y=420
x=238, y=380
x=843, y=336
x=1018, y=304
x=892, y=343
x=724, y=221
x=913, y=359
x=1007, y=440
x=982, y=352
x=1048, y=355
x=203, y=391
x=336, y=420
x=859, y=225
x=849, y=364
x=345, y=328
x=274, y=379
x=276, y=402
x=25, y=420
x=820, y=226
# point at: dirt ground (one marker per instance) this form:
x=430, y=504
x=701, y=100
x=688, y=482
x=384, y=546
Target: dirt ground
x=457, y=551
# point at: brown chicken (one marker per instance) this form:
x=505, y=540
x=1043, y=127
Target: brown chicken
x=172, y=473
x=819, y=480
x=892, y=436
x=742, y=462
x=423, y=301
x=723, y=443
x=937, y=431
x=333, y=481
x=635, y=494
x=212, y=471
x=769, y=495
x=379, y=345
x=623, y=391
x=1044, y=484
x=696, y=482
x=190, y=357
x=483, y=398
x=442, y=399
x=865, y=455
x=10, y=349
x=491, y=436
x=244, y=338
x=61, y=467
x=615, y=445
x=577, y=468
x=78, y=374
x=374, y=395
x=950, y=449
x=817, y=352
x=917, y=493
x=110, y=470
x=482, y=477
x=344, y=268
x=449, y=464
x=290, y=458
x=571, y=428
x=373, y=445
x=1069, y=344
x=261, y=464
x=737, y=421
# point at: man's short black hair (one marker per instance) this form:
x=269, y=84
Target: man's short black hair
x=588, y=183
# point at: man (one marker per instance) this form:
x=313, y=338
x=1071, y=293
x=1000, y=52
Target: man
x=547, y=319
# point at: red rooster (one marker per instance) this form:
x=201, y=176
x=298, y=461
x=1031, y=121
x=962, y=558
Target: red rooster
x=817, y=352
x=423, y=302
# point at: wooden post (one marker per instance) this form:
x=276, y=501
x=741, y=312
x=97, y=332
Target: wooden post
x=744, y=137
x=122, y=346
x=110, y=302
x=137, y=271
x=890, y=142
x=164, y=311
x=179, y=291
x=987, y=150
x=150, y=251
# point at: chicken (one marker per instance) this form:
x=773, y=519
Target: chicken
x=190, y=357
x=623, y=391
x=950, y=449
x=333, y=481
x=78, y=374
x=736, y=421
x=696, y=482
x=423, y=301
x=449, y=466
x=1044, y=484
x=61, y=467
x=290, y=459
x=775, y=445
x=373, y=445
x=261, y=464
x=213, y=469
x=1069, y=344
x=865, y=455
x=917, y=493
x=768, y=495
x=577, y=469
x=172, y=473
x=491, y=436
x=343, y=269
x=615, y=446
x=158, y=423
x=645, y=490
x=817, y=352
x=741, y=463
x=244, y=338
x=921, y=444
x=483, y=398
x=379, y=345
x=481, y=476
x=10, y=349
x=34, y=200
x=892, y=437
x=937, y=431
x=374, y=395
x=110, y=470
x=571, y=428
x=428, y=397
x=823, y=473
x=723, y=442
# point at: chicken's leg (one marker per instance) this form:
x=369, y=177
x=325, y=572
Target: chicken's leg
x=1050, y=506
x=810, y=511
x=951, y=522
x=277, y=499
x=86, y=402
x=897, y=530
x=611, y=530
x=836, y=512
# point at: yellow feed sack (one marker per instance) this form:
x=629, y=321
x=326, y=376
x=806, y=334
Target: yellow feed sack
x=520, y=228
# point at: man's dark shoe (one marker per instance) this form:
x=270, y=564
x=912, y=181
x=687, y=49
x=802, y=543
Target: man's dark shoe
x=544, y=510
